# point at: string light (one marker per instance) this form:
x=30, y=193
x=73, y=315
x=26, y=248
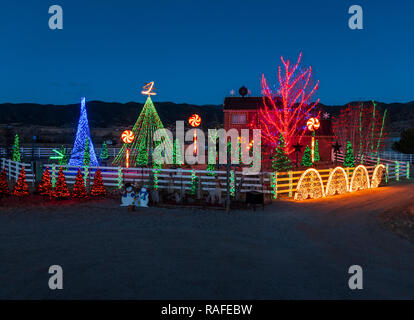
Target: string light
x=120, y=180
x=360, y=179
x=337, y=182
x=232, y=184
x=82, y=135
x=310, y=185
x=397, y=171
x=377, y=175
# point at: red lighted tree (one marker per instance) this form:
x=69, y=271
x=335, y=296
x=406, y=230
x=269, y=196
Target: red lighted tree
x=45, y=186
x=21, y=188
x=79, y=189
x=4, y=187
x=98, y=188
x=61, y=189
x=287, y=110
x=363, y=126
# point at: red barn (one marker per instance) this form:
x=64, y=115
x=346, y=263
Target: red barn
x=240, y=112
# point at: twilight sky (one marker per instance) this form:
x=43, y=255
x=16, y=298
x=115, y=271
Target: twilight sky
x=197, y=51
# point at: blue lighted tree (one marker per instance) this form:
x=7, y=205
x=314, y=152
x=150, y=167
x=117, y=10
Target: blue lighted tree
x=82, y=135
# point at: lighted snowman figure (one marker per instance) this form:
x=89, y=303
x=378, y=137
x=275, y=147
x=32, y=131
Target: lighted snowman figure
x=143, y=197
x=128, y=196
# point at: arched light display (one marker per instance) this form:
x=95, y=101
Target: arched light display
x=337, y=182
x=310, y=185
x=360, y=179
x=377, y=175
x=148, y=89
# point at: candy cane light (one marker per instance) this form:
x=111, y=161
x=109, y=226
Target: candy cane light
x=313, y=124
x=127, y=137
x=195, y=121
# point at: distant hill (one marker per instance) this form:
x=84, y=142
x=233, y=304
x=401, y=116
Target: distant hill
x=108, y=119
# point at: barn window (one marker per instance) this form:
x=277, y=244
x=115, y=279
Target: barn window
x=238, y=118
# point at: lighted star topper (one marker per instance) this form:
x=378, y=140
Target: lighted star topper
x=148, y=89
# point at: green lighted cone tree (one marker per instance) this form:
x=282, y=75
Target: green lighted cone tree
x=280, y=159
x=349, y=156
x=104, y=152
x=141, y=148
x=307, y=158
x=16, y=149
x=316, y=155
x=86, y=154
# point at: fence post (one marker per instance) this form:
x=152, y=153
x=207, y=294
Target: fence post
x=53, y=175
x=397, y=171
x=290, y=184
x=120, y=178
x=274, y=177
x=408, y=170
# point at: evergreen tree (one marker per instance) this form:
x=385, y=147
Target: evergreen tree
x=79, y=189
x=281, y=161
x=349, y=156
x=86, y=154
x=317, y=157
x=98, y=188
x=104, y=152
x=60, y=190
x=16, y=149
x=307, y=158
x=83, y=136
x=141, y=148
x=21, y=188
x=45, y=186
x=4, y=187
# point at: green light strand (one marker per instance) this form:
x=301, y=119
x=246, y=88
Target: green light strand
x=382, y=129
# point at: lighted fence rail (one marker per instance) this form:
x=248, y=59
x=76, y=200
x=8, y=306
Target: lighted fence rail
x=167, y=178
x=44, y=152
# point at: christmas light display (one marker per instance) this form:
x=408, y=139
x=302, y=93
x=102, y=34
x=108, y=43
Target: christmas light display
x=360, y=179
x=194, y=121
x=280, y=160
x=82, y=136
x=317, y=157
x=16, y=149
x=310, y=185
x=193, y=183
x=232, y=182
x=79, y=190
x=397, y=171
x=60, y=191
x=98, y=188
x=307, y=157
x=86, y=154
x=155, y=172
x=120, y=180
x=85, y=175
x=140, y=150
x=45, y=186
x=377, y=176
x=287, y=110
x=337, y=182
x=4, y=187
x=21, y=188
x=313, y=124
x=148, y=89
x=60, y=155
x=363, y=126
x=127, y=137
x=53, y=175
x=103, y=155
x=349, y=156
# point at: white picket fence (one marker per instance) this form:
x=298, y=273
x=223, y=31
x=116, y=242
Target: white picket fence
x=40, y=152
x=395, y=169
x=167, y=178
